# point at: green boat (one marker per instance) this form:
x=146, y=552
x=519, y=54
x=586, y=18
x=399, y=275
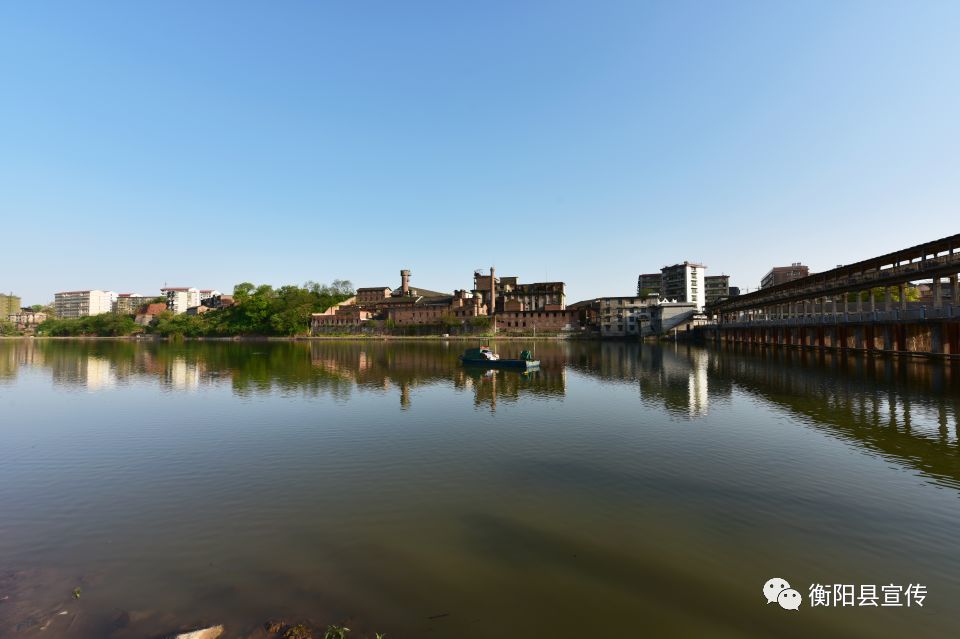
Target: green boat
x=483, y=356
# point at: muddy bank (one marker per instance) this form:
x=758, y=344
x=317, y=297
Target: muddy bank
x=40, y=603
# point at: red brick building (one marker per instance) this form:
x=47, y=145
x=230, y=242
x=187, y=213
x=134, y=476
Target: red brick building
x=518, y=307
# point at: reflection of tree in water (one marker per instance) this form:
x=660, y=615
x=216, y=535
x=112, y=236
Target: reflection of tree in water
x=673, y=379
x=249, y=368
x=308, y=368
x=904, y=409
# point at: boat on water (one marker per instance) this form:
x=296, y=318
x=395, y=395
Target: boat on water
x=483, y=356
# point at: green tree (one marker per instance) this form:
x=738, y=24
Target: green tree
x=342, y=287
x=242, y=291
x=104, y=325
x=912, y=293
x=7, y=328
x=480, y=322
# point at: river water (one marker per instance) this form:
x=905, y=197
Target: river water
x=622, y=490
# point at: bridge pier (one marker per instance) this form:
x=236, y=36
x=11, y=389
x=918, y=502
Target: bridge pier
x=936, y=338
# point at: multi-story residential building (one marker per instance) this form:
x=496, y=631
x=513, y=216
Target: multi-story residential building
x=9, y=304
x=648, y=283
x=129, y=303
x=27, y=319
x=684, y=283
x=211, y=294
x=623, y=316
x=716, y=287
x=180, y=298
x=73, y=304
x=782, y=274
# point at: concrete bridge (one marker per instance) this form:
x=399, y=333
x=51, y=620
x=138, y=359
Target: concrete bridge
x=838, y=309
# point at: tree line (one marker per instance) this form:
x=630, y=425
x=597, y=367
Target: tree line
x=257, y=310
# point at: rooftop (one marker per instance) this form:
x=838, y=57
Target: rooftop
x=422, y=292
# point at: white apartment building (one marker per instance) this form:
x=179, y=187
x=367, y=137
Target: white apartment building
x=207, y=293
x=179, y=299
x=73, y=304
x=685, y=283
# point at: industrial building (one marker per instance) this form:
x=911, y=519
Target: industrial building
x=514, y=306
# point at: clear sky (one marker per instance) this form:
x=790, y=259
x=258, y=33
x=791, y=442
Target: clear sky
x=209, y=143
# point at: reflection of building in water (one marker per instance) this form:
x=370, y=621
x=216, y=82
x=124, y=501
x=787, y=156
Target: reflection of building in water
x=8, y=363
x=408, y=366
x=17, y=353
x=697, y=384
x=675, y=377
x=184, y=375
x=99, y=373
x=82, y=369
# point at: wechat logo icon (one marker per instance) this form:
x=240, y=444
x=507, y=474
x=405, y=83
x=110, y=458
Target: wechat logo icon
x=777, y=590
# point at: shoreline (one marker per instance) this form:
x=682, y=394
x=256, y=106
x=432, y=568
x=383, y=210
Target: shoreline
x=344, y=338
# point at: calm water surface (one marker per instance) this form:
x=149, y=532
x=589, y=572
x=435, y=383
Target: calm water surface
x=622, y=490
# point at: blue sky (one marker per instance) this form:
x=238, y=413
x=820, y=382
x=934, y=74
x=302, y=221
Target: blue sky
x=208, y=143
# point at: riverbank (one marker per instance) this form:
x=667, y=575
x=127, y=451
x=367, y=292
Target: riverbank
x=312, y=338
x=45, y=602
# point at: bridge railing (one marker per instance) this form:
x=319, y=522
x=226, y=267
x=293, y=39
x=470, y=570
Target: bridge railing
x=939, y=258
x=915, y=314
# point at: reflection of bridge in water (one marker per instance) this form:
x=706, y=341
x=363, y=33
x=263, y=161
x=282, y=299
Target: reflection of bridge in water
x=904, y=410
